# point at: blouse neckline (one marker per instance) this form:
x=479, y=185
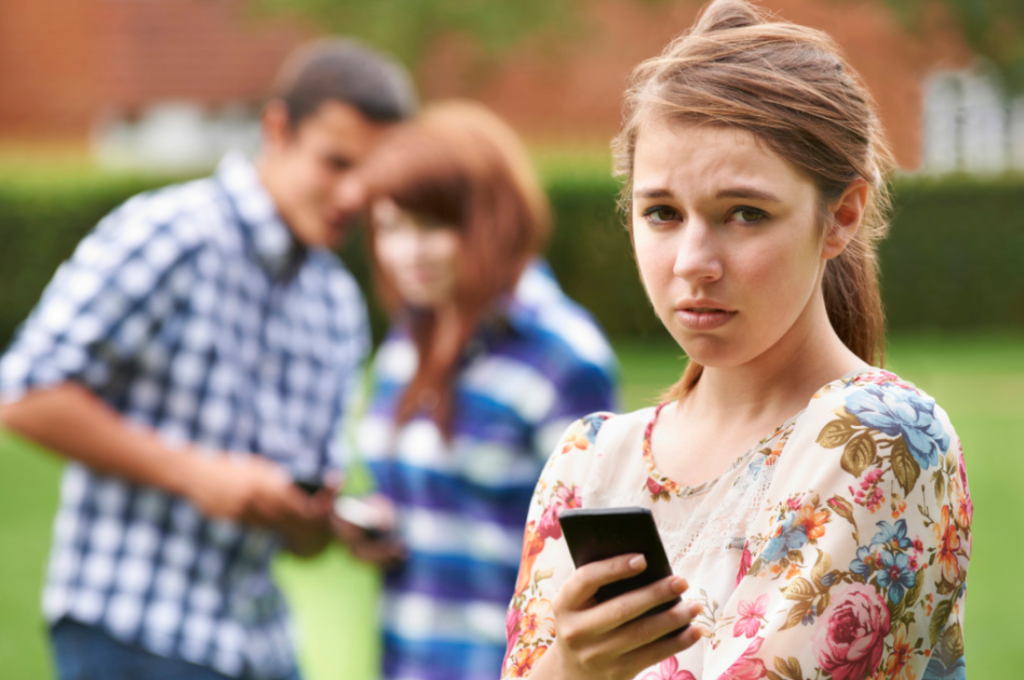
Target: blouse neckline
x=658, y=483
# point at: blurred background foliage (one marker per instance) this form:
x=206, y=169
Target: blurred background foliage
x=952, y=260
x=993, y=28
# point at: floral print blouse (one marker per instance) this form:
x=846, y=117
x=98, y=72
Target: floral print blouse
x=835, y=548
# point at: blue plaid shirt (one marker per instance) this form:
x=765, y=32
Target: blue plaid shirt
x=194, y=312
x=462, y=504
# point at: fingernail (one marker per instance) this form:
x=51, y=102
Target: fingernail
x=696, y=633
x=638, y=562
x=696, y=608
x=679, y=584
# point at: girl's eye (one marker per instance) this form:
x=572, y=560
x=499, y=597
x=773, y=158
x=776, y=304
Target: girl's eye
x=660, y=214
x=747, y=215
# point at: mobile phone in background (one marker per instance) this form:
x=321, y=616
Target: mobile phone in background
x=309, y=487
x=595, y=534
x=362, y=514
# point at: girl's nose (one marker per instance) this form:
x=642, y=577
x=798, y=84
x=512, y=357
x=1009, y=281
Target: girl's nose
x=698, y=257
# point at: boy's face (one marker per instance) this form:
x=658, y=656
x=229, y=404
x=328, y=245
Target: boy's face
x=305, y=169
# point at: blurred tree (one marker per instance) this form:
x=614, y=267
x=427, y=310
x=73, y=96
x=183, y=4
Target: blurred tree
x=994, y=29
x=406, y=28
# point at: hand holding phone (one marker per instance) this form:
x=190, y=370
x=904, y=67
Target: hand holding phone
x=620, y=611
x=594, y=534
x=367, y=526
x=371, y=518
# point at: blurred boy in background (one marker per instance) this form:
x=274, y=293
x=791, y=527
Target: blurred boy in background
x=190, y=361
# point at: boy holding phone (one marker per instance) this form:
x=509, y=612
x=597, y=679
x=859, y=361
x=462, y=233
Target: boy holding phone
x=190, y=361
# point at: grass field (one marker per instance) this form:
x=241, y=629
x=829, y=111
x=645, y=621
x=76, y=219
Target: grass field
x=979, y=381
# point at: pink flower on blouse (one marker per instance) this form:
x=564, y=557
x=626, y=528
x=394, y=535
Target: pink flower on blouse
x=751, y=614
x=746, y=559
x=850, y=646
x=653, y=486
x=669, y=670
x=564, y=497
x=512, y=620
x=747, y=667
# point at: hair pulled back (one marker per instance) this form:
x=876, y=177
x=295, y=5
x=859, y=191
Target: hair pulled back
x=788, y=86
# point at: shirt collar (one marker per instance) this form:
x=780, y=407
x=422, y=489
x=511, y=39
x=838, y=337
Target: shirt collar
x=270, y=241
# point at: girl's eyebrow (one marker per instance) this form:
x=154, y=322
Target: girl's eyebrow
x=652, y=193
x=731, y=192
x=749, y=192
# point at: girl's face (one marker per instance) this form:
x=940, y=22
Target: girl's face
x=727, y=241
x=418, y=256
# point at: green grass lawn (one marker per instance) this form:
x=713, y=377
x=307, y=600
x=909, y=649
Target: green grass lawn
x=979, y=381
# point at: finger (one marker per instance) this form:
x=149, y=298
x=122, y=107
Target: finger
x=649, y=629
x=293, y=504
x=619, y=611
x=583, y=584
x=346, y=531
x=386, y=553
x=321, y=503
x=659, y=650
x=606, y=617
x=258, y=512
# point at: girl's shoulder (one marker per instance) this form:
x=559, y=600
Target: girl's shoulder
x=603, y=430
x=874, y=417
x=594, y=437
x=878, y=399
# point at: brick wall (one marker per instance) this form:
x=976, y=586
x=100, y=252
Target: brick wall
x=64, y=62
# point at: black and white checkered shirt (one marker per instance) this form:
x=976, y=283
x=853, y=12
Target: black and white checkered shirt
x=194, y=312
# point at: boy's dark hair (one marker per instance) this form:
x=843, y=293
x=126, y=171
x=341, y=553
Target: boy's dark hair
x=336, y=69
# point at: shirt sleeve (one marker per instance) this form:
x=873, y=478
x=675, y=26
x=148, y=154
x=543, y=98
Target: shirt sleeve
x=545, y=562
x=584, y=387
x=352, y=398
x=859, y=562
x=102, y=305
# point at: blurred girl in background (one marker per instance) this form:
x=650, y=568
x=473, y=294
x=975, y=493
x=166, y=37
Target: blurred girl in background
x=485, y=365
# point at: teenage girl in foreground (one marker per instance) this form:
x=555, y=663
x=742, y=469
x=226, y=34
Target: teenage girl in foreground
x=814, y=507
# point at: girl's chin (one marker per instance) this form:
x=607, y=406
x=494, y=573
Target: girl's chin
x=712, y=352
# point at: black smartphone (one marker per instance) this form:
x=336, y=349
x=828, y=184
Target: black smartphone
x=308, y=486
x=594, y=534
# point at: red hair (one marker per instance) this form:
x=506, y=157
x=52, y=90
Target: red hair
x=458, y=164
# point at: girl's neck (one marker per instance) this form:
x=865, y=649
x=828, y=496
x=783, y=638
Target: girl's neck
x=446, y=329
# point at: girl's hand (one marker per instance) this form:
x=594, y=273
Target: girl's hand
x=607, y=640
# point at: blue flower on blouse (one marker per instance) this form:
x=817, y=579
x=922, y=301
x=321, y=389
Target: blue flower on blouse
x=862, y=565
x=895, y=575
x=789, y=538
x=937, y=670
x=888, y=533
x=900, y=411
x=593, y=423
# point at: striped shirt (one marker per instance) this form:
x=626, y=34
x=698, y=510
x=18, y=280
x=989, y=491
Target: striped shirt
x=462, y=504
x=191, y=311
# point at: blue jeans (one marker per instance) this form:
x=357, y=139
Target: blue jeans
x=84, y=652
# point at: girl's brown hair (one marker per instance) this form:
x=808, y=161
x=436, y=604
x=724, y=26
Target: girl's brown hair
x=788, y=86
x=460, y=165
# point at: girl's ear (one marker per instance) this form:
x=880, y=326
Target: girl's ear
x=846, y=214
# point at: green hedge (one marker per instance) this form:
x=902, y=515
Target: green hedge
x=954, y=259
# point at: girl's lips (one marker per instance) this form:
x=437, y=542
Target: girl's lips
x=703, y=318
